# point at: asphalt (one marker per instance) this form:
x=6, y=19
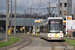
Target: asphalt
x=42, y=44
x=37, y=44
x=2, y=37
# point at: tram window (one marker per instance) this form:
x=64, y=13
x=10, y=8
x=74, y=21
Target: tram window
x=48, y=28
x=41, y=28
x=45, y=28
x=55, y=26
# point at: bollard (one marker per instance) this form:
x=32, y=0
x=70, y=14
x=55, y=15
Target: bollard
x=32, y=33
x=36, y=34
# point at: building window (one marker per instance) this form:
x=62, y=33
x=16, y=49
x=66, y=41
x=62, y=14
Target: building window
x=60, y=12
x=60, y=4
x=64, y=12
x=65, y=4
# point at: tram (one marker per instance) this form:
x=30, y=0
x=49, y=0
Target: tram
x=52, y=28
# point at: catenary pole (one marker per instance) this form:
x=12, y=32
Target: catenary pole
x=59, y=8
x=15, y=21
x=7, y=7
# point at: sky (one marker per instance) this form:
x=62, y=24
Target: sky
x=25, y=4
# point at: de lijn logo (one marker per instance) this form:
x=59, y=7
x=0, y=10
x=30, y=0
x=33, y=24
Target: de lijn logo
x=69, y=18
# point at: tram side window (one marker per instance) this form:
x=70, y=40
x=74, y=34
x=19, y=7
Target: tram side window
x=48, y=28
x=41, y=28
x=45, y=28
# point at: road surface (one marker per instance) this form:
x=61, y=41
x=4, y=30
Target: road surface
x=2, y=36
x=42, y=44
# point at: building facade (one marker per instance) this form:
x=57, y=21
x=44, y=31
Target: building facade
x=20, y=22
x=65, y=8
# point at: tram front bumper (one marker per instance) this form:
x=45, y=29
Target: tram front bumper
x=55, y=38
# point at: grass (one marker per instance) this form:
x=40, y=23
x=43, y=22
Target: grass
x=11, y=40
x=65, y=35
x=20, y=34
x=71, y=42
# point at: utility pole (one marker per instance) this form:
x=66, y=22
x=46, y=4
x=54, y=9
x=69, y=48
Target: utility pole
x=7, y=2
x=25, y=22
x=74, y=11
x=15, y=21
x=30, y=18
x=59, y=8
x=55, y=10
x=11, y=19
x=49, y=9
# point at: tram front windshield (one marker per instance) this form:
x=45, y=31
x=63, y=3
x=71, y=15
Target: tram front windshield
x=55, y=26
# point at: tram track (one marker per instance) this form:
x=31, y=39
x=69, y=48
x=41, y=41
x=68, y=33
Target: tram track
x=60, y=46
x=26, y=41
x=57, y=46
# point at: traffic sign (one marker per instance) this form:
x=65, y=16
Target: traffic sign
x=23, y=28
x=38, y=21
x=70, y=24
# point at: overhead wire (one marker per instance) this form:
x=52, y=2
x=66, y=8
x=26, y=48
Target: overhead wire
x=39, y=4
x=41, y=12
x=53, y=8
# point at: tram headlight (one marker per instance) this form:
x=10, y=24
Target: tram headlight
x=61, y=32
x=60, y=35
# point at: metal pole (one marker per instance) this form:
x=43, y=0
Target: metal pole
x=59, y=8
x=7, y=20
x=25, y=23
x=30, y=19
x=49, y=9
x=15, y=21
x=11, y=19
x=74, y=11
x=55, y=10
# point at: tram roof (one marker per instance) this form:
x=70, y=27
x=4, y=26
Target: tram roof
x=54, y=18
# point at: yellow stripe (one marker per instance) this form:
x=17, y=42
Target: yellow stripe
x=55, y=35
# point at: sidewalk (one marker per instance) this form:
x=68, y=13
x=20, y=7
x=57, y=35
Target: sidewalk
x=21, y=43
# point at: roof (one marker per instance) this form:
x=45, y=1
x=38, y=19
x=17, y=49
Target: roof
x=54, y=18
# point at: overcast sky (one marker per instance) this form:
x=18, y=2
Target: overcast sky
x=24, y=4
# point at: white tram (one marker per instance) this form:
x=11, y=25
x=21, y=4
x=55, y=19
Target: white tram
x=52, y=29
